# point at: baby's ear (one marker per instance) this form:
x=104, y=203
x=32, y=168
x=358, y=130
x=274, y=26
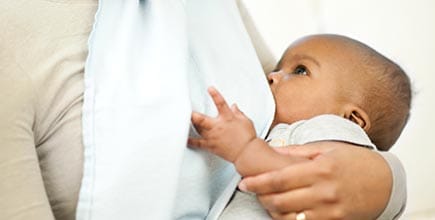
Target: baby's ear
x=357, y=115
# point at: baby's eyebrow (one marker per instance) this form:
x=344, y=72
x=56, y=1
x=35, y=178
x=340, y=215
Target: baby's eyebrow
x=276, y=69
x=306, y=57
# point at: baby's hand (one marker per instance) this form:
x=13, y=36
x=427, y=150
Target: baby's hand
x=227, y=134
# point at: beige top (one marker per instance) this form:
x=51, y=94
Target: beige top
x=42, y=57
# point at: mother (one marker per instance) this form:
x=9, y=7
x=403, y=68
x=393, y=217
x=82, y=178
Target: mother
x=43, y=52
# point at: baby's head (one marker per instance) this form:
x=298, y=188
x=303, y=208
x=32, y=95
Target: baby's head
x=332, y=74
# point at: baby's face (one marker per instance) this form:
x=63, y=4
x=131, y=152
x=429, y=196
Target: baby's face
x=309, y=79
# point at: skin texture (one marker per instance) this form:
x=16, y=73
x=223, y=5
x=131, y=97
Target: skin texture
x=316, y=178
x=339, y=182
x=326, y=180
x=312, y=77
x=217, y=137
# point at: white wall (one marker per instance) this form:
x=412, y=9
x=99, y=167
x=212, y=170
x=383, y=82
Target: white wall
x=403, y=30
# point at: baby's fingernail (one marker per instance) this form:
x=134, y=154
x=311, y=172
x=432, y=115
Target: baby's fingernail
x=242, y=187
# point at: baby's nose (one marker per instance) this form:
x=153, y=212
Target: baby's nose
x=274, y=77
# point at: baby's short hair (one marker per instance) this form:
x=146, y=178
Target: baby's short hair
x=392, y=95
x=387, y=94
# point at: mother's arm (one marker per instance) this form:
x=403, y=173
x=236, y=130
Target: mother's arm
x=340, y=182
x=22, y=192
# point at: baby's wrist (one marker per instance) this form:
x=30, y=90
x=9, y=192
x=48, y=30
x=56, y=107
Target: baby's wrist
x=247, y=154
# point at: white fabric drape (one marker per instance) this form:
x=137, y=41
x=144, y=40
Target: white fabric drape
x=149, y=65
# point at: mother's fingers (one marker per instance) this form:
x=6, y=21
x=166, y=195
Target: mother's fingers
x=310, y=150
x=299, y=151
x=290, y=201
x=326, y=211
x=288, y=178
x=221, y=105
x=303, y=215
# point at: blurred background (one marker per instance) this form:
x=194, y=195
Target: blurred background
x=404, y=31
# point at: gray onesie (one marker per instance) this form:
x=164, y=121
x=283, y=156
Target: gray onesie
x=320, y=128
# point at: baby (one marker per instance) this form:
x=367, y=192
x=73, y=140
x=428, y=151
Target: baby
x=317, y=75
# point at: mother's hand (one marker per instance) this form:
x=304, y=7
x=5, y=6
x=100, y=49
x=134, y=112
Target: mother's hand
x=340, y=181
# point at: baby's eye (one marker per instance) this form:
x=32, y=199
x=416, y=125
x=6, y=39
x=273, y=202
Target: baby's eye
x=300, y=70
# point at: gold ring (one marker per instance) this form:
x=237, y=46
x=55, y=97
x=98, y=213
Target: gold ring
x=301, y=216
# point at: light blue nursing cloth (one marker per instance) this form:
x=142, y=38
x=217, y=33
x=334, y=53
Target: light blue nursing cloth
x=149, y=65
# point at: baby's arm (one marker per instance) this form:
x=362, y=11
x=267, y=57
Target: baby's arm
x=231, y=135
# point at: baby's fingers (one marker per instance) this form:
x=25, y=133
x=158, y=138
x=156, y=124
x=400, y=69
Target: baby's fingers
x=201, y=121
x=236, y=110
x=197, y=142
x=221, y=105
